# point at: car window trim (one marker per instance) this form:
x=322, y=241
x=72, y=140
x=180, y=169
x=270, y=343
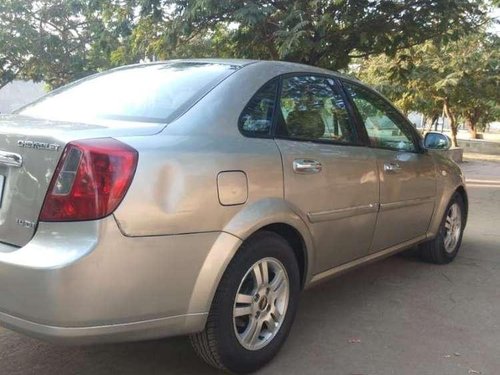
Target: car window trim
x=320, y=141
x=277, y=107
x=415, y=138
x=353, y=114
x=360, y=142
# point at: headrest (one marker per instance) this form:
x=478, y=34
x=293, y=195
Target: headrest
x=305, y=124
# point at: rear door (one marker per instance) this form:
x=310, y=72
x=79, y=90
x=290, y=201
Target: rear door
x=330, y=177
x=406, y=172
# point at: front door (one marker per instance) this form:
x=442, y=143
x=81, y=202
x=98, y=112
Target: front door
x=406, y=173
x=329, y=178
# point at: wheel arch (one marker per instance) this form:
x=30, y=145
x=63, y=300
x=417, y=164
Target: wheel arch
x=273, y=215
x=296, y=242
x=441, y=205
x=463, y=193
x=276, y=215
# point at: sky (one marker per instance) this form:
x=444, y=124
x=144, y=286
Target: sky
x=495, y=14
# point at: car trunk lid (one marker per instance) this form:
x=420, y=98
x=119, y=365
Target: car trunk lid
x=30, y=150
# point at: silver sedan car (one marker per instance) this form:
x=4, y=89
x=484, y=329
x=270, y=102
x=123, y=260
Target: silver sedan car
x=199, y=197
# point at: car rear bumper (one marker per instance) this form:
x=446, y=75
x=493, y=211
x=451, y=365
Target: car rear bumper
x=86, y=282
x=134, y=331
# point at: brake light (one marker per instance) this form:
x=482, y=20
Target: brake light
x=90, y=181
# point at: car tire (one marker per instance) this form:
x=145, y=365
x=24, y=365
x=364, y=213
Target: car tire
x=244, y=343
x=444, y=247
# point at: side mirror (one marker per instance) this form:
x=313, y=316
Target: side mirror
x=437, y=141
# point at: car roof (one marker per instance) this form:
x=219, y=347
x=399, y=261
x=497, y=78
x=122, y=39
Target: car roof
x=286, y=66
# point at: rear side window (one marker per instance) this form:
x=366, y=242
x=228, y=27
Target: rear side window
x=257, y=117
x=142, y=93
x=312, y=109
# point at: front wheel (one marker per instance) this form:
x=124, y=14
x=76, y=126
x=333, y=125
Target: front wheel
x=444, y=247
x=253, y=308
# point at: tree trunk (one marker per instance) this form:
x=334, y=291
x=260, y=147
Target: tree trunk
x=423, y=124
x=429, y=123
x=471, y=120
x=453, y=122
x=469, y=123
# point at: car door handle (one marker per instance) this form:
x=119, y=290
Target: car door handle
x=391, y=167
x=306, y=166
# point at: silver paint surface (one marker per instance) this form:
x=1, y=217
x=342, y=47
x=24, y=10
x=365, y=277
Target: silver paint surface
x=152, y=268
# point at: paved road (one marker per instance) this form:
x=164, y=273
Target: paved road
x=398, y=316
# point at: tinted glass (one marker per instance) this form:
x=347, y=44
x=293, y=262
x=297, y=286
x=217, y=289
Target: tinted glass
x=257, y=117
x=147, y=93
x=311, y=108
x=383, y=123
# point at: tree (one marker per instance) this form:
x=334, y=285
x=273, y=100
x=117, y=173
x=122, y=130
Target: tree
x=62, y=40
x=327, y=33
x=58, y=40
x=14, y=44
x=460, y=79
x=475, y=84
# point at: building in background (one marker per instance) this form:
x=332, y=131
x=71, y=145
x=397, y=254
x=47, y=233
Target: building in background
x=19, y=93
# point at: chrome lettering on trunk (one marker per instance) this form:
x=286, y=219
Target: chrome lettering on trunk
x=38, y=145
x=26, y=223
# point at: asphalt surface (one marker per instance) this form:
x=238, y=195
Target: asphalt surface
x=398, y=316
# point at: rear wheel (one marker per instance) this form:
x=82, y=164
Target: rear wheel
x=444, y=248
x=253, y=308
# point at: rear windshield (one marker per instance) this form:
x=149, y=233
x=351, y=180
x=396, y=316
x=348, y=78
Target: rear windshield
x=143, y=93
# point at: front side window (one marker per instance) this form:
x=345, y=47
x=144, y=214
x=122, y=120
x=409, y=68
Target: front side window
x=141, y=93
x=312, y=109
x=383, y=123
x=257, y=117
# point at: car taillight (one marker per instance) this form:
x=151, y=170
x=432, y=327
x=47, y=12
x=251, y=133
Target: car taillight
x=90, y=181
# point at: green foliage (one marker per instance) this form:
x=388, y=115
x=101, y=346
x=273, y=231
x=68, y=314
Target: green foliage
x=461, y=77
x=407, y=79
x=62, y=40
x=58, y=40
x=13, y=44
x=327, y=33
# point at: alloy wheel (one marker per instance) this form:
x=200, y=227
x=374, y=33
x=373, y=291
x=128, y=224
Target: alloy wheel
x=452, y=228
x=261, y=303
